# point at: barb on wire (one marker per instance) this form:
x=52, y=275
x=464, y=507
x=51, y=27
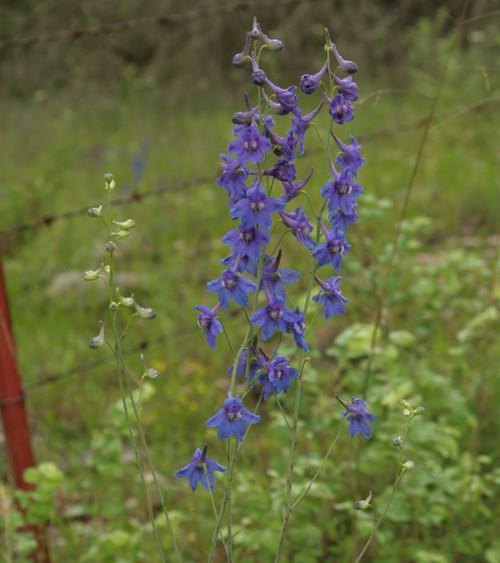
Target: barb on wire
x=134, y=197
x=166, y=19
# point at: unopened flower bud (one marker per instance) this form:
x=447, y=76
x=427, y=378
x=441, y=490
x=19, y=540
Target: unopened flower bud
x=111, y=246
x=418, y=411
x=241, y=58
x=107, y=268
x=95, y=211
x=144, y=312
x=125, y=301
x=403, y=403
x=90, y=275
x=408, y=465
x=98, y=340
x=255, y=33
x=364, y=504
x=271, y=44
x=121, y=234
x=397, y=442
x=149, y=373
x=127, y=225
x=109, y=181
x=349, y=67
x=113, y=306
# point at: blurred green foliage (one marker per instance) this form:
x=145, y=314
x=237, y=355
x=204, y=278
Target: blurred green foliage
x=77, y=111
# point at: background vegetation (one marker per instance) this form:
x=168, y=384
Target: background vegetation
x=75, y=110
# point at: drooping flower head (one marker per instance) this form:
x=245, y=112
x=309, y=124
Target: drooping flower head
x=349, y=67
x=286, y=97
x=332, y=250
x=300, y=225
x=275, y=278
x=334, y=303
x=301, y=124
x=310, y=82
x=201, y=468
x=276, y=375
x=208, y=321
x=232, y=419
x=348, y=88
x=358, y=417
x=350, y=156
x=342, y=191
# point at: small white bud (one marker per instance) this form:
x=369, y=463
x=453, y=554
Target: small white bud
x=98, y=340
x=121, y=234
x=95, y=211
x=125, y=301
x=408, y=465
x=144, y=312
x=90, y=275
x=109, y=181
x=127, y=225
x=364, y=504
x=149, y=373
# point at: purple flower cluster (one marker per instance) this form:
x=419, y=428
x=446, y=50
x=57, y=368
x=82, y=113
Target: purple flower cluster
x=260, y=162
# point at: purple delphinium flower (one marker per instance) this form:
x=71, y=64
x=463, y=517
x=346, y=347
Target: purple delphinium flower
x=274, y=277
x=251, y=146
x=276, y=376
x=196, y=470
x=358, y=417
x=291, y=191
x=286, y=97
x=348, y=88
x=297, y=327
x=282, y=147
x=233, y=178
x=309, y=82
x=334, y=303
x=273, y=315
x=349, y=67
x=256, y=208
x=283, y=170
x=247, y=242
x=300, y=225
x=241, y=368
x=340, y=109
x=342, y=191
x=342, y=220
x=350, y=157
x=300, y=124
x=208, y=321
x=232, y=419
x=332, y=250
x=232, y=286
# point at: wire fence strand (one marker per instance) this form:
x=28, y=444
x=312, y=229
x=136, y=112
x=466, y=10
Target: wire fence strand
x=166, y=19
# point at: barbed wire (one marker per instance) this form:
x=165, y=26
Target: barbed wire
x=166, y=19
x=138, y=196
x=87, y=366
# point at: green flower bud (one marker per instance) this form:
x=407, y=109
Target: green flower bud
x=149, y=373
x=111, y=246
x=109, y=181
x=125, y=301
x=144, y=312
x=127, y=225
x=95, y=211
x=98, y=340
x=113, y=306
x=403, y=403
x=364, y=504
x=397, y=442
x=90, y=275
x=408, y=465
x=120, y=234
x=418, y=411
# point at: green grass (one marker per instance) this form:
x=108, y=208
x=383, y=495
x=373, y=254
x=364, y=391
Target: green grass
x=54, y=155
